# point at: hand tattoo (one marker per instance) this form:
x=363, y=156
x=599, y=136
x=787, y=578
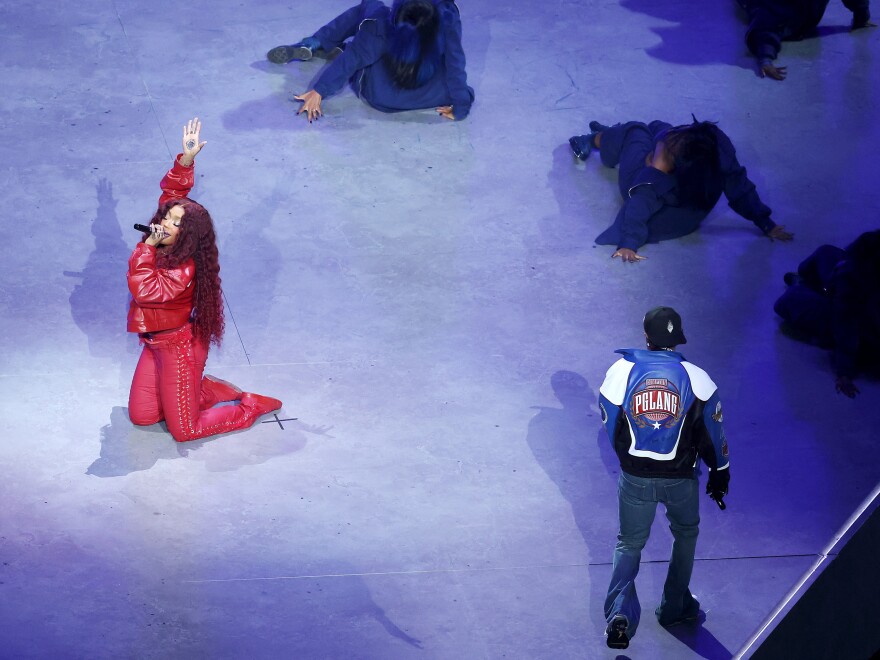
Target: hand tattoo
x=190, y=144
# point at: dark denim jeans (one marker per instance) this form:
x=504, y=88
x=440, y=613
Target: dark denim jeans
x=637, y=500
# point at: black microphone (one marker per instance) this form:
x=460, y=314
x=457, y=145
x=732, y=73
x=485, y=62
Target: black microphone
x=145, y=228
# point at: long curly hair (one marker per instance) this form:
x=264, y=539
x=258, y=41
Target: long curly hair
x=694, y=148
x=197, y=241
x=413, y=55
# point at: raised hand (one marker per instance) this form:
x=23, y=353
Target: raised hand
x=191, y=144
x=311, y=101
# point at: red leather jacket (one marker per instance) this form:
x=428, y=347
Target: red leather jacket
x=162, y=298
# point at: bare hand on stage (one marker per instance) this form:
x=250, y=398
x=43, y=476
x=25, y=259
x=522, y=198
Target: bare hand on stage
x=778, y=233
x=446, y=111
x=846, y=386
x=768, y=70
x=191, y=144
x=311, y=101
x=627, y=256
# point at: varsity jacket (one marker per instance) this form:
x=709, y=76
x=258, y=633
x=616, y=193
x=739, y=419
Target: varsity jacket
x=662, y=413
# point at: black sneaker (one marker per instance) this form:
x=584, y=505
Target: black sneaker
x=285, y=54
x=616, y=633
x=581, y=146
x=596, y=127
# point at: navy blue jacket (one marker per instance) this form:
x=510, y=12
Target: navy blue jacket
x=772, y=21
x=651, y=212
x=362, y=61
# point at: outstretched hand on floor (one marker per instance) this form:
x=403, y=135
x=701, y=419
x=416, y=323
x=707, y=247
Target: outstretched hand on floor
x=844, y=385
x=778, y=233
x=311, y=105
x=768, y=70
x=446, y=111
x=627, y=256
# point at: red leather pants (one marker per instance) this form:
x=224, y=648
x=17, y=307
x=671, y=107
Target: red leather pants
x=168, y=384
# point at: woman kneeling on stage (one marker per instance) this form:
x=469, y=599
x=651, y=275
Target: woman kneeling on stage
x=177, y=310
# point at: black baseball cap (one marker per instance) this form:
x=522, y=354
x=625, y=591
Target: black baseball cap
x=663, y=327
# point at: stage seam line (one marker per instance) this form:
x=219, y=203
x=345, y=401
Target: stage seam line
x=822, y=557
x=466, y=570
x=143, y=82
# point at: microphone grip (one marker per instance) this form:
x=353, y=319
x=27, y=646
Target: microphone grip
x=143, y=228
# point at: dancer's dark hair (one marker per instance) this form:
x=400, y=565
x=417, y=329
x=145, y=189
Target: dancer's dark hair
x=413, y=53
x=694, y=150
x=197, y=241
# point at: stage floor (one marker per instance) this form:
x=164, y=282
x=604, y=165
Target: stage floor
x=426, y=298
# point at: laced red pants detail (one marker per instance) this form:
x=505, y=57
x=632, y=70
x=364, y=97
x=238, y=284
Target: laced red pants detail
x=169, y=384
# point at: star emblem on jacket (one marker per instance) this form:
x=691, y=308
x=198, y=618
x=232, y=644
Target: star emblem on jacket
x=656, y=426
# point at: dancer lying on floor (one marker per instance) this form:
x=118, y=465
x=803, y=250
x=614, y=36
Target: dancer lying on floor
x=404, y=58
x=834, y=301
x=670, y=179
x=773, y=21
x=177, y=310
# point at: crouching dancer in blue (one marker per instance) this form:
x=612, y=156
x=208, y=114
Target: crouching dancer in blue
x=670, y=179
x=404, y=58
x=833, y=301
x=773, y=21
x=662, y=413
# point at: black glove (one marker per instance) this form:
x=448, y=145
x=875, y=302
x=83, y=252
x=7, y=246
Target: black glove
x=717, y=486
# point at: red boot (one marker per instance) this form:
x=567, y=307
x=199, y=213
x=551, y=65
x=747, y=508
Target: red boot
x=215, y=391
x=257, y=404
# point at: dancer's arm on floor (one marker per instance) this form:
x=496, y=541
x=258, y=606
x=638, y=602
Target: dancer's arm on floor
x=742, y=196
x=636, y=213
x=365, y=49
x=848, y=303
x=764, y=39
x=456, y=75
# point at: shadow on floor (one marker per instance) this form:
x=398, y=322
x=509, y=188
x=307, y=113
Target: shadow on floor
x=126, y=448
x=98, y=303
x=689, y=42
x=585, y=475
x=700, y=641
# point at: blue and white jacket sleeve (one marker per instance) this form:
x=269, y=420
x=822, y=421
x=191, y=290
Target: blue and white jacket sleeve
x=611, y=395
x=712, y=444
